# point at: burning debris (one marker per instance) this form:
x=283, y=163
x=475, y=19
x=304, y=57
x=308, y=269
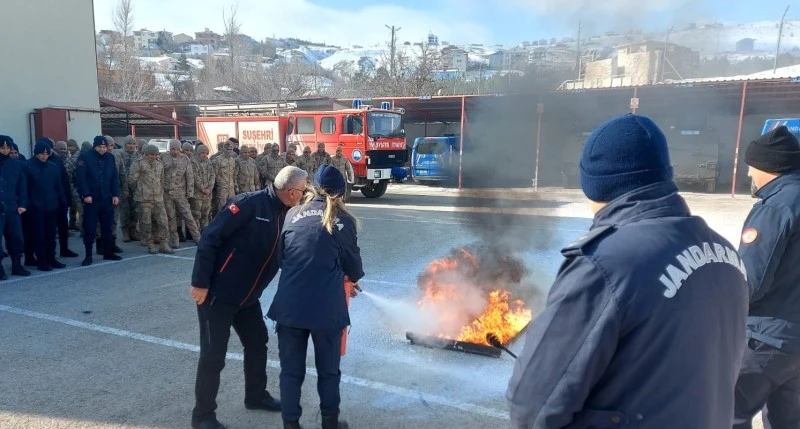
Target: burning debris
x=470, y=294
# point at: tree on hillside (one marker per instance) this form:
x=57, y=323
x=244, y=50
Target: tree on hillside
x=120, y=74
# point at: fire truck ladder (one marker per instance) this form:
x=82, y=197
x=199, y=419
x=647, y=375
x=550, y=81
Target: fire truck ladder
x=248, y=109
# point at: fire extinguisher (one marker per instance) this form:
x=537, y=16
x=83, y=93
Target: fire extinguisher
x=348, y=289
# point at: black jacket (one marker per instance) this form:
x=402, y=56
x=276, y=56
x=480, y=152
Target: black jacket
x=770, y=250
x=45, y=191
x=238, y=253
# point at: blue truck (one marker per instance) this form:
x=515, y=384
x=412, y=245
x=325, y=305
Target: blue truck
x=434, y=159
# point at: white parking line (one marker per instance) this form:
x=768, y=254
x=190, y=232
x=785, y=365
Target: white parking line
x=36, y=276
x=356, y=381
x=185, y=258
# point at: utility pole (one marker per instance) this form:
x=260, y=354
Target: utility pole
x=664, y=54
x=578, y=51
x=780, y=34
x=392, y=48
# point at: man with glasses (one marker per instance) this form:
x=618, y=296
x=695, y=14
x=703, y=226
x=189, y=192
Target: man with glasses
x=236, y=259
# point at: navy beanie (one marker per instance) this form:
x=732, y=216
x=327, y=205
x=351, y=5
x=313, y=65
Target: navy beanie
x=100, y=140
x=330, y=179
x=626, y=153
x=6, y=141
x=41, y=147
x=777, y=151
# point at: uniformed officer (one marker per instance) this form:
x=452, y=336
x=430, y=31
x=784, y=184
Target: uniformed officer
x=644, y=324
x=770, y=371
x=320, y=248
x=13, y=203
x=98, y=185
x=46, y=198
x=236, y=259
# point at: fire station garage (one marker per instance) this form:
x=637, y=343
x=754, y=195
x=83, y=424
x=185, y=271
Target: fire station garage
x=48, y=80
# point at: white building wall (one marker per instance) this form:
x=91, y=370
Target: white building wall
x=50, y=64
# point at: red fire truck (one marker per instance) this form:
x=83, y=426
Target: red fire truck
x=372, y=139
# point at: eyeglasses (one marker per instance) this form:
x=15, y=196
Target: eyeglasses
x=302, y=191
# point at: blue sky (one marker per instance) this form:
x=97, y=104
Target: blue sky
x=347, y=22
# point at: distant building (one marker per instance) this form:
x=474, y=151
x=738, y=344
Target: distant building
x=643, y=63
x=745, y=45
x=454, y=58
x=200, y=49
x=433, y=40
x=145, y=38
x=496, y=59
x=208, y=37
x=182, y=38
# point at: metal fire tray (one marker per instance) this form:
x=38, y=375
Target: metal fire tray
x=461, y=346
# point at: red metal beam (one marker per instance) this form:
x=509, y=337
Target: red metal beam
x=738, y=139
x=539, y=112
x=461, y=138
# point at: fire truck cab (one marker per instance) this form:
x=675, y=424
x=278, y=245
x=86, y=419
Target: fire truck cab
x=372, y=139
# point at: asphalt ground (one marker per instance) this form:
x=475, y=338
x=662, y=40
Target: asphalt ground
x=116, y=344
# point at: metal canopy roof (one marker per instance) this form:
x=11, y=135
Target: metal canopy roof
x=126, y=114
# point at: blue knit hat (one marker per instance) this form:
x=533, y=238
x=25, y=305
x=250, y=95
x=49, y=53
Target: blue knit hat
x=330, y=179
x=100, y=140
x=41, y=147
x=626, y=153
x=46, y=141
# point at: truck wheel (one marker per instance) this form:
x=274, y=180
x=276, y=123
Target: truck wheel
x=375, y=190
x=711, y=186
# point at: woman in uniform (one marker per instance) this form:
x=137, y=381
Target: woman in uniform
x=320, y=251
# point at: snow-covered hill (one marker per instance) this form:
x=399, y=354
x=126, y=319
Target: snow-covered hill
x=709, y=40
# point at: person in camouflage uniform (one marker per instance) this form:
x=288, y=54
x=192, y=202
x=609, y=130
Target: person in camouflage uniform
x=306, y=162
x=220, y=150
x=72, y=148
x=260, y=157
x=291, y=158
x=127, y=205
x=203, y=187
x=178, y=188
x=246, y=172
x=70, y=165
x=320, y=157
x=183, y=232
x=271, y=165
x=146, y=179
x=224, y=177
x=343, y=165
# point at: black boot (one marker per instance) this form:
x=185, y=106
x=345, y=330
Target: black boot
x=16, y=267
x=30, y=261
x=55, y=264
x=108, y=253
x=333, y=422
x=181, y=235
x=65, y=252
x=291, y=425
x=98, y=242
x=114, y=247
x=87, y=260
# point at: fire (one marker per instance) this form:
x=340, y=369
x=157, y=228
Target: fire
x=469, y=297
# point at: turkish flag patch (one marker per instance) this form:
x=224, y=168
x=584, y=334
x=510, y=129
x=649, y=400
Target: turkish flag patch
x=749, y=235
x=233, y=208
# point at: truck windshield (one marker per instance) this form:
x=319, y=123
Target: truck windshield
x=431, y=147
x=382, y=124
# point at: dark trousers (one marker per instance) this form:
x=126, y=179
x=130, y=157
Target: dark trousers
x=292, y=346
x=768, y=377
x=216, y=319
x=11, y=225
x=27, y=232
x=98, y=211
x=63, y=227
x=42, y=234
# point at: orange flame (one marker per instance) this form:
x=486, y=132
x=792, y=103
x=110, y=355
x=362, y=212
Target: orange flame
x=469, y=313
